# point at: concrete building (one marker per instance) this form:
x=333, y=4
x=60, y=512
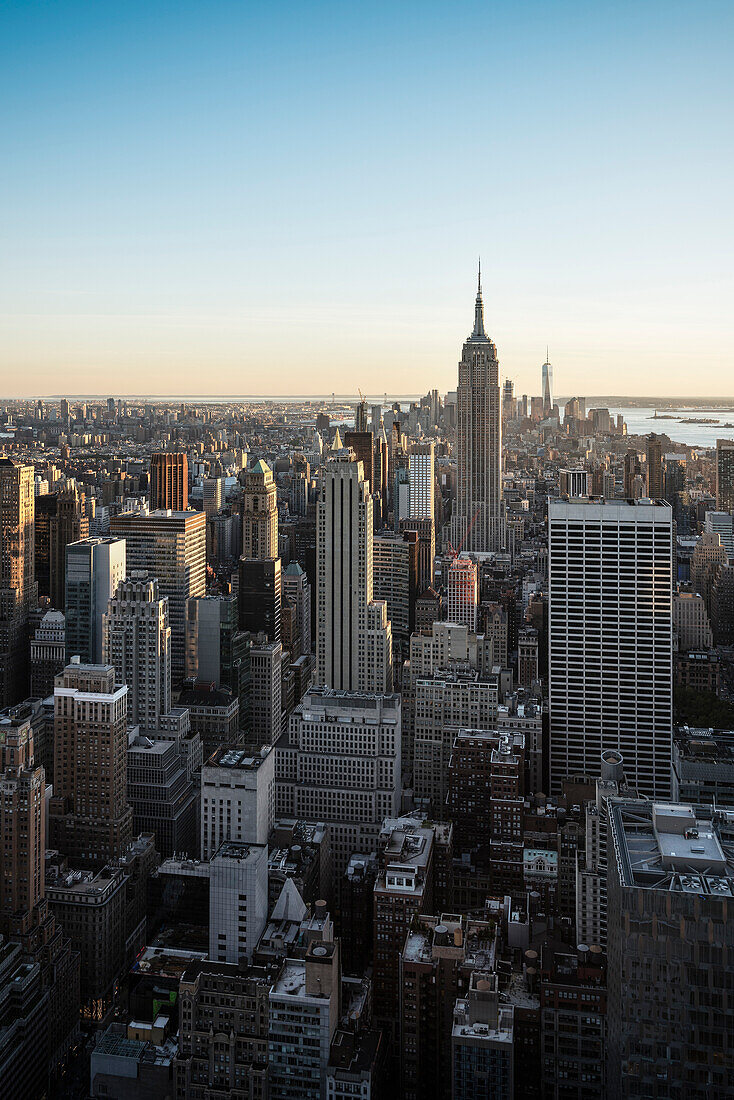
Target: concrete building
x=447, y=701
x=477, y=521
x=214, y=714
x=237, y=798
x=169, y=481
x=703, y=767
x=136, y=640
x=24, y=1012
x=90, y=820
x=238, y=900
x=170, y=546
x=610, y=638
x=161, y=791
x=722, y=524
x=266, y=670
x=304, y=1014
x=691, y=625
x=353, y=639
x=339, y=763
x=438, y=960
x=482, y=1043
x=232, y=1002
x=91, y=909
x=48, y=646
x=94, y=569
x=463, y=593
x=402, y=891
x=671, y=884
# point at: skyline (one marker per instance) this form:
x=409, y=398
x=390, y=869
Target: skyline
x=211, y=196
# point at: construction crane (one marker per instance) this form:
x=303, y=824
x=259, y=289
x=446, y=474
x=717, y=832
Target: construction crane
x=455, y=553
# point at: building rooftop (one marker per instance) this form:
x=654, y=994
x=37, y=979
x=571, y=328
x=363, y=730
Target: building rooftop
x=227, y=757
x=670, y=846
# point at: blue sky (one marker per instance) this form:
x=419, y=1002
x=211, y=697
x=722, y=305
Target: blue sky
x=240, y=197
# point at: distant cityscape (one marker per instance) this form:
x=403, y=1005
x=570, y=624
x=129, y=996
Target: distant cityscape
x=366, y=747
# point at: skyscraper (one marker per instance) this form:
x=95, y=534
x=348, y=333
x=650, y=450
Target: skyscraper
x=90, y=820
x=94, y=568
x=60, y=519
x=345, y=586
x=421, y=477
x=137, y=641
x=22, y=825
x=725, y=475
x=259, y=513
x=654, y=467
x=610, y=639
x=18, y=589
x=169, y=481
x=170, y=546
x=296, y=588
x=547, y=378
x=479, y=441
x=259, y=596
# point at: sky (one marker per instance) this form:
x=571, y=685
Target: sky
x=229, y=197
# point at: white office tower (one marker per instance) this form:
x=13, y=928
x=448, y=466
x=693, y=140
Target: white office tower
x=610, y=639
x=722, y=524
x=137, y=641
x=350, y=655
x=238, y=900
x=463, y=593
x=479, y=441
x=237, y=798
x=421, y=478
x=340, y=764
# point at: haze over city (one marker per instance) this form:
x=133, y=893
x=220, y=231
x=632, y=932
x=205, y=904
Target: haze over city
x=252, y=198
x=366, y=551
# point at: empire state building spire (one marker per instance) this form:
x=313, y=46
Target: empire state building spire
x=479, y=310
x=477, y=519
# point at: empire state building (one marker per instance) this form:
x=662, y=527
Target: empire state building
x=478, y=522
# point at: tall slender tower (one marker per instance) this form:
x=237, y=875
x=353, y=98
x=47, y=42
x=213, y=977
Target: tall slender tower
x=354, y=640
x=18, y=589
x=259, y=513
x=547, y=378
x=479, y=440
